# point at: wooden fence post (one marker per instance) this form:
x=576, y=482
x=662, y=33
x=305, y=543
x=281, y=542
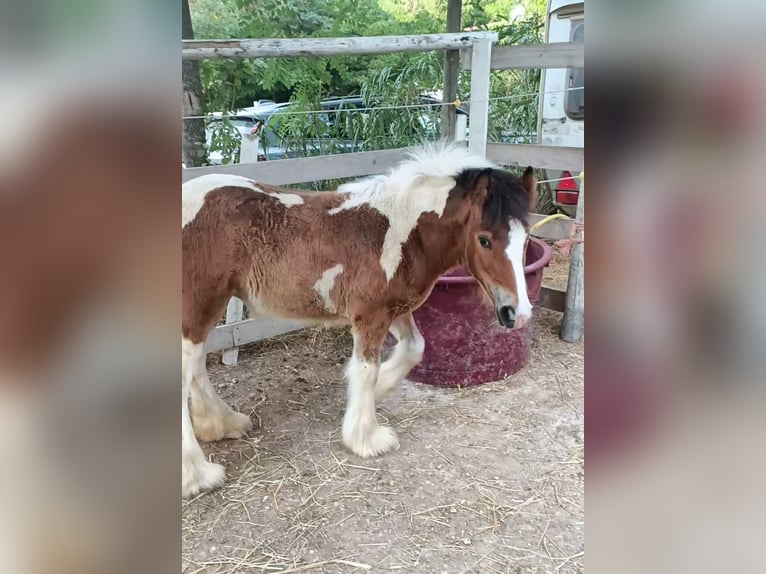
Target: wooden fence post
x=481, y=57
x=234, y=312
x=573, y=323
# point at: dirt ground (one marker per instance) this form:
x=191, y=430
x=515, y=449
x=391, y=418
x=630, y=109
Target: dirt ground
x=487, y=479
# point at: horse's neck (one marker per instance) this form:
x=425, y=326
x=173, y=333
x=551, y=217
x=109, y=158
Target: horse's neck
x=442, y=243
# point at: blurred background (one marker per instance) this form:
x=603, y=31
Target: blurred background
x=675, y=357
x=89, y=262
x=89, y=283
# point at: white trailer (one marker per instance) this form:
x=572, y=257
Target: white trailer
x=561, y=119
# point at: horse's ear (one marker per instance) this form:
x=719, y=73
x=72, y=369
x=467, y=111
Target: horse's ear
x=482, y=184
x=529, y=183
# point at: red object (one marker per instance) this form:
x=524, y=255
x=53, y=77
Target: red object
x=566, y=182
x=566, y=197
x=566, y=189
x=261, y=157
x=465, y=345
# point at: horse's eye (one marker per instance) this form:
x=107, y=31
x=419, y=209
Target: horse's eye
x=484, y=242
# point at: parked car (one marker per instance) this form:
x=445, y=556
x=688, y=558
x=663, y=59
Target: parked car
x=255, y=131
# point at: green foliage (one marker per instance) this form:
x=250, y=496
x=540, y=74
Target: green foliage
x=399, y=120
x=384, y=82
x=514, y=118
x=225, y=138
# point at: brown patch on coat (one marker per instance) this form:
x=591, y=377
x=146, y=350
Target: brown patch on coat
x=75, y=231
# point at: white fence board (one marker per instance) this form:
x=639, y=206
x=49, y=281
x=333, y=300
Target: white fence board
x=234, y=313
x=556, y=55
x=305, y=169
x=478, y=122
x=539, y=156
x=249, y=331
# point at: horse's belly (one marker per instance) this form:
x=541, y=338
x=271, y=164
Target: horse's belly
x=290, y=302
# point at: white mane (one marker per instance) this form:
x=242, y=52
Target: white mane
x=441, y=162
x=420, y=184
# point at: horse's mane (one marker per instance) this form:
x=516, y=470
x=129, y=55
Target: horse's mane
x=421, y=183
x=437, y=160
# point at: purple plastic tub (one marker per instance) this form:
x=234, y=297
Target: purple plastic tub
x=465, y=345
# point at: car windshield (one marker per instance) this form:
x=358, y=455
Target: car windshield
x=243, y=123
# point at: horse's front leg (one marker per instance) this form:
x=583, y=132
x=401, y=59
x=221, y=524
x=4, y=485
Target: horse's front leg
x=197, y=474
x=361, y=432
x=407, y=353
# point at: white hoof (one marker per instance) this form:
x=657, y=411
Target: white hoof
x=230, y=425
x=376, y=441
x=201, y=475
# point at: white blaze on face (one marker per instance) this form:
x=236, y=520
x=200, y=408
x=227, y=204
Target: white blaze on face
x=324, y=285
x=193, y=192
x=517, y=238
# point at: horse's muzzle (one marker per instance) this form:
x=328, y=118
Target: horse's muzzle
x=507, y=316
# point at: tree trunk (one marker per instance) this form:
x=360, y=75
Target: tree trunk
x=193, y=139
x=451, y=71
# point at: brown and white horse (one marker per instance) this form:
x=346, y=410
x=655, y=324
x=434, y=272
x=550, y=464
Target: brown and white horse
x=367, y=255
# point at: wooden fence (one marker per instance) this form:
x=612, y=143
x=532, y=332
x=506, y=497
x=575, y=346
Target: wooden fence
x=478, y=55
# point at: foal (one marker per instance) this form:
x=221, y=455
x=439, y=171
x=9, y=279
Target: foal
x=367, y=255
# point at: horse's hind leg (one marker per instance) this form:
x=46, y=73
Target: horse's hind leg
x=361, y=432
x=213, y=418
x=407, y=353
x=197, y=474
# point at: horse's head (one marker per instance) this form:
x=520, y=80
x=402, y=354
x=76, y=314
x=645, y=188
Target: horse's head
x=495, y=236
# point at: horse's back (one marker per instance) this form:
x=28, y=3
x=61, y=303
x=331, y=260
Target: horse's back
x=266, y=244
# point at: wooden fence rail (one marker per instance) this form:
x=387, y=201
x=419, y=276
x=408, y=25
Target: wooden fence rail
x=304, y=169
x=556, y=55
x=539, y=156
x=316, y=47
x=301, y=170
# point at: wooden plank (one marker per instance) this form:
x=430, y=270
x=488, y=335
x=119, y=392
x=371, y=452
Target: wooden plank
x=300, y=170
x=479, y=120
x=451, y=71
x=250, y=331
x=234, y=313
x=539, y=156
x=354, y=46
x=555, y=55
x=573, y=323
x=551, y=298
x=554, y=230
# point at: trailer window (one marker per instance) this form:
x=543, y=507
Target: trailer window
x=574, y=103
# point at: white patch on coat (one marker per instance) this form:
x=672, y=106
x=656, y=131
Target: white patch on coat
x=324, y=285
x=517, y=238
x=288, y=199
x=414, y=187
x=197, y=473
x=361, y=432
x=193, y=192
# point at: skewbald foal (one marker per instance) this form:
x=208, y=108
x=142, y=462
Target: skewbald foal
x=367, y=255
